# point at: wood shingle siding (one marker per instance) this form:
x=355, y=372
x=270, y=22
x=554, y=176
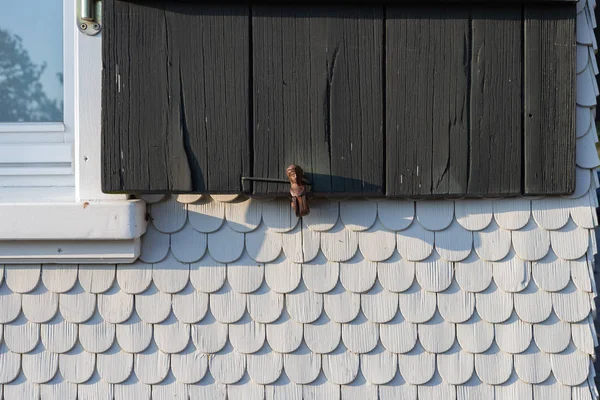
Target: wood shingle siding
x=399, y=100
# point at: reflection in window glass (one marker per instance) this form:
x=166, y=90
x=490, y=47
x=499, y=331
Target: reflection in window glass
x=31, y=61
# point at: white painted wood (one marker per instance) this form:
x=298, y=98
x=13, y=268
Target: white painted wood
x=417, y=305
x=584, y=336
x=21, y=388
x=514, y=388
x=302, y=366
x=571, y=366
x=263, y=244
x=396, y=274
x=283, y=275
x=39, y=365
x=21, y=336
x=513, y=335
x=415, y=243
x=132, y=389
x=323, y=215
x=378, y=304
x=434, y=274
x=189, y=305
x=358, y=275
x=278, y=215
x=10, y=304
x=264, y=366
x=169, y=389
x=226, y=198
x=134, y=335
x=571, y=305
x=151, y=366
x=377, y=243
x=321, y=389
x=226, y=245
x=243, y=216
x=358, y=215
x=284, y=388
x=206, y=215
x=208, y=275
x=494, y=304
x=94, y=220
x=456, y=366
x=586, y=156
x=476, y=335
x=77, y=366
x=455, y=304
x=170, y=275
x=341, y=365
x=474, y=214
x=114, y=305
x=379, y=366
x=323, y=335
x=209, y=335
x=512, y=213
x=132, y=278
x=511, y=274
x=399, y=335
x=114, y=365
x=59, y=278
x=493, y=366
x=77, y=305
x=246, y=335
x=454, y=243
x=59, y=336
x=341, y=305
x=155, y=245
x=533, y=305
x=533, y=365
x=396, y=215
x=96, y=388
x=265, y=306
x=435, y=215
x=153, y=306
x=39, y=305
x=303, y=305
x=97, y=335
x=492, y=243
x=360, y=335
x=168, y=216
x=227, y=366
x=245, y=389
x=285, y=335
x=11, y=364
x=338, y=243
x=189, y=366
x=58, y=389
x=227, y=305
x=302, y=244
x=552, y=335
x=417, y=366
x=436, y=335
x=22, y=279
x=188, y=198
x=188, y=245
x=550, y=213
x=551, y=273
x=570, y=242
x=398, y=388
x=551, y=389
x=359, y=389
x=474, y=389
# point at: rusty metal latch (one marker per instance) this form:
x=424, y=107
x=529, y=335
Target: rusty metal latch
x=298, y=188
x=89, y=16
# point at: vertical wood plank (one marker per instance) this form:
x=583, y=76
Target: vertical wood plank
x=427, y=64
x=318, y=98
x=496, y=101
x=550, y=54
x=176, y=99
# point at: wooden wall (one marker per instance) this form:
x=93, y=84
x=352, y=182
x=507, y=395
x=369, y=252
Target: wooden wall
x=398, y=100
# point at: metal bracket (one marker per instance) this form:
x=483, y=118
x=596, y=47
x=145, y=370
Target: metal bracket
x=89, y=16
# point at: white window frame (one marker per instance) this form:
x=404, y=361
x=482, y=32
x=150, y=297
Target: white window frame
x=40, y=154
x=46, y=222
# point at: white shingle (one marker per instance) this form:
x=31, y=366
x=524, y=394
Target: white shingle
x=264, y=244
x=584, y=336
x=552, y=335
x=455, y=304
x=189, y=305
x=11, y=364
x=340, y=305
x=551, y=273
x=513, y=335
x=285, y=335
x=473, y=274
x=492, y=243
x=359, y=388
x=22, y=278
x=283, y=388
x=114, y=365
x=434, y=274
x=168, y=216
x=474, y=214
x=341, y=365
x=550, y=213
x=227, y=366
x=360, y=335
x=243, y=216
x=454, y=243
x=435, y=215
x=283, y=275
x=415, y=243
x=247, y=336
x=21, y=335
x=59, y=278
x=475, y=335
x=153, y=306
x=358, y=274
x=570, y=242
x=323, y=215
x=494, y=304
x=396, y=215
x=206, y=215
x=396, y=274
x=551, y=389
x=398, y=388
x=76, y=305
x=227, y=305
x=10, y=304
x=533, y=305
x=58, y=335
x=571, y=366
x=58, y=389
x=436, y=389
x=512, y=213
x=533, y=365
x=417, y=366
x=264, y=366
x=208, y=388
x=302, y=366
x=134, y=335
x=265, y=305
x=155, y=245
x=379, y=366
x=132, y=389
x=114, y=305
x=189, y=366
x=77, y=365
x=379, y=304
x=377, y=243
x=475, y=389
x=321, y=388
x=209, y=335
x=456, y=366
x=97, y=278
x=339, y=243
x=96, y=335
x=320, y=275
x=21, y=388
x=169, y=389
x=570, y=304
x=398, y=335
x=245, y=275
x=358, y=215
x=417, y=305
x=279, y=216
x=436, y=335
x=531, y=242
x=134, y=278
x=226, y=245
x=151, y=366
x=586, y=155
x=171, y=335
x=301, y=244
x=208, y=275
x=188, y=245
x=493, y=366
x=513, y=388
x=95, y=388
x=245, y=389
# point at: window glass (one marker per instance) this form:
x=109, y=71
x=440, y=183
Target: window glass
x=31, y=61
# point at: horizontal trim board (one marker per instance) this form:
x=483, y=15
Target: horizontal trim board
x=403, y=100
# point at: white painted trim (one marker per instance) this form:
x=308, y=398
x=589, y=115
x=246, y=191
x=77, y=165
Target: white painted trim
x=69, y=251
x=113, y=220
x=28, y=127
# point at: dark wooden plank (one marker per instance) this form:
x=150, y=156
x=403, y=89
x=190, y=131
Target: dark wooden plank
x=426, y=100
x=550, y=54
x=176, y=97
x=496, y=102
x=318, y=97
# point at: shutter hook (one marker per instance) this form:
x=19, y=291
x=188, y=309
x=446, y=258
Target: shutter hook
x=298, y=190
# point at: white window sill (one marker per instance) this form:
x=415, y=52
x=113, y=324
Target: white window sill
x=52, y=228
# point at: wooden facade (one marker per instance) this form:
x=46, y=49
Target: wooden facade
x=400, y=100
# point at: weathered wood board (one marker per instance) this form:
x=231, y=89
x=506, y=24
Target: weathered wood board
x=318, y=101
x=441, y=100
x=549, y=99
x=176, y=83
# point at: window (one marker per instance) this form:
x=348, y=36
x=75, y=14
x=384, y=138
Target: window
x=37, y=92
